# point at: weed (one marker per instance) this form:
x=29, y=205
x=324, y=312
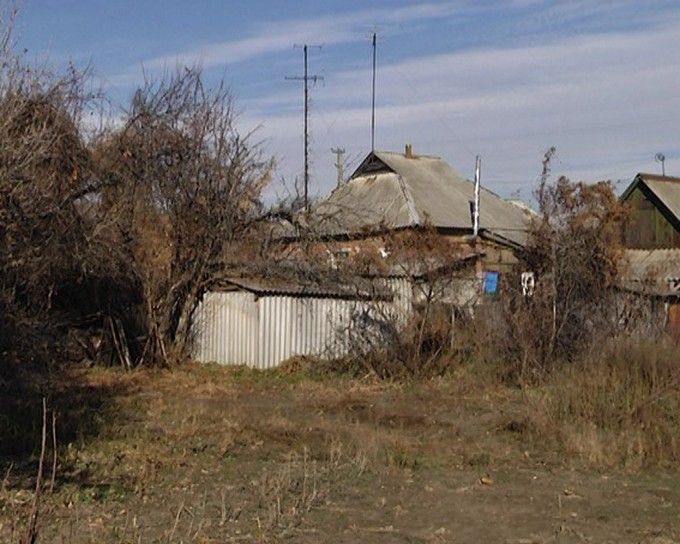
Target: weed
x=403, y=458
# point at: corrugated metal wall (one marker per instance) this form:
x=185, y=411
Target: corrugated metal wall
x=226, y=328
x=237, y=327
x=300, y=326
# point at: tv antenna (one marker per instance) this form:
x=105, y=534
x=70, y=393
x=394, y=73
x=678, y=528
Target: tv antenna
x=306, y=78
x=660, y=157
x=374, y=41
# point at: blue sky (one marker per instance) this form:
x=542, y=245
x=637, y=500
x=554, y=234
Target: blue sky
x=599, y=80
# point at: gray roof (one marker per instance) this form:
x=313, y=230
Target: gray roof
x=665, y=188
x=359, y=290
x=393, y=191
x=651, y=271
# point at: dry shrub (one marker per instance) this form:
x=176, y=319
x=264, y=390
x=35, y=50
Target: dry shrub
x=573, y=250
x=432, y=344
x=621, y=409
x=420, y=348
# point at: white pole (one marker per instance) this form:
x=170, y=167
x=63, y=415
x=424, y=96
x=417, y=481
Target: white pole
x=475, y=216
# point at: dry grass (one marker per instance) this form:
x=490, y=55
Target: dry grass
x=619, y=408
x=208, y=454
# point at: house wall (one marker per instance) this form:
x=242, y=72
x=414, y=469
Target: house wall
x=226, y=328
x=639, y=314
x=646, y=226
x=496, y=258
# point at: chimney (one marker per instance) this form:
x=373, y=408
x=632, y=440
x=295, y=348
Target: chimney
x=408, y=151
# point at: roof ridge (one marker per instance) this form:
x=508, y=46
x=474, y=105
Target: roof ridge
x=658, y=177
x=401, y=154
x=410, y=203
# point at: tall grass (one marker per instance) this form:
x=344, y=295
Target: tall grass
x=620, y=407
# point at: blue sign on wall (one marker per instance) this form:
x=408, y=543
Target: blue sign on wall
x=490, y=283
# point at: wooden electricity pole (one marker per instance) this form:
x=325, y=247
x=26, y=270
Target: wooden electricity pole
x=339, y=152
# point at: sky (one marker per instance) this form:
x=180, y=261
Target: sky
x=505, y=80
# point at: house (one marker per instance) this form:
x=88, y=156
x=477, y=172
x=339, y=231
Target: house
x=650, y=276
x=654, y=220
x=396, y=192
x=391, y=196
x=649, y=298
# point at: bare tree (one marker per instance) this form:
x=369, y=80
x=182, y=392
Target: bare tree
x=180, y=188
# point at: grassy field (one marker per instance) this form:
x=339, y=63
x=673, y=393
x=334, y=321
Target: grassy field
x=208, y=454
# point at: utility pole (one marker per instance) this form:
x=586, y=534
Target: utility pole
x=305, y=78
x=339, y=152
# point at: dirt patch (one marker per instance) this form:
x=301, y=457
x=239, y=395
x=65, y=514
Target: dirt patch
x=215, y=455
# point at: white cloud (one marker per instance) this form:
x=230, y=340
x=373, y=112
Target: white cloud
x=606, y=99
x=277, y=36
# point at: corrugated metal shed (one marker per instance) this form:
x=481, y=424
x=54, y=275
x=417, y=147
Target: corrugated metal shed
x=259, y=324
x=391, y=190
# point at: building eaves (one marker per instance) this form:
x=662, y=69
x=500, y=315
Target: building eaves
x=301, y=289
x=651, y=271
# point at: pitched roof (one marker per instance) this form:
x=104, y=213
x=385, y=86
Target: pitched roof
x=394, y=191
x=665, y=188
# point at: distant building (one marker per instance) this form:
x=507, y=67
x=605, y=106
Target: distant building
x=395, y=192
x=651, y=271
x=395, y=238
x=654, y=220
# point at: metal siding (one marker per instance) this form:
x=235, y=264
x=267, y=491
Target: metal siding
x=263, y=325
x=238, y=328
x=402, y=293
x=202, y=325
x=226, y=329
x=276, y=330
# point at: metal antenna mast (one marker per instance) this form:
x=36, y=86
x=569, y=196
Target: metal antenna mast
x=305, y=78
x=375, y=48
